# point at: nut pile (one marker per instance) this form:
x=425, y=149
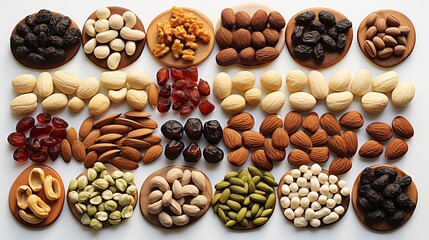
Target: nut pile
x=32, y=208
x=248, y=40
x=382, y=132
x=245, y=199
x=194, y=129
x=187, y=91
x=310, y=196
x=101, y=197
x=114, y=139
x=112, y=34
x=43, y=141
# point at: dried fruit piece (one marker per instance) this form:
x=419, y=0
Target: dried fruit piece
x=190, y=73
x=203, y=87
x=60, y=133
x=33, y=144
x=16, y=139
x=59, y=122
x=172, y=130
x=162, y=76
x=213, y=154
x=38, y=157
x=194, y=97
x=206, y=107
x=40, y=129
x=44, y=117
x=20, y=154
x=177, y=74
x=25, y=124
x=54, y=152
x=165, y=91
x=213, y=131
x=192, y=153
x=194, y=128
x=173, y=149
x=186, y=110
x=164, y=105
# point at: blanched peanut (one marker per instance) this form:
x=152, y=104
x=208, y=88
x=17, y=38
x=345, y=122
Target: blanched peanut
x=129, y=18
x=299, y=212
x=332, y=217
x=89, y=27
x=289, y=214
x=285, y=202
x=300, y=222
x=322, y=212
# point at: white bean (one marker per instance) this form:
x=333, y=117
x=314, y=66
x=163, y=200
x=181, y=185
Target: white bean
x=285, y=189
x=90, y=46
x=308, y=185
x=303, y=168
x=116, y=21
x=293, y=187
x=322, y=212
x=324, y=189
x=129, y=18
x=292, y=195
x=322, y=199
x=345, y=191
x=338, y=198
x=117, y=44
x=342, y=184
x=131, y=34
x=101, y=25
x=295, y=173
x=315, y=184
x=300, y=222
x=130, y=48
x=315, y=222
x=309, y=214
x=106, y=36
x=303, y=192
x=89, y=27
x=288, y=179
x=316, y=206
x=330, y=203
x=316, y=169
x=285, y=202
x=329, y=195
x=294, y=203
x=323, y=178
x=305, y=202
x=333, y=188
x=332, y=217
x=339, y=210
x=289, y=214
x=113, y=60
x=333, y=179
x=302, y=182
x=313, y=196
x=308, y=174
x=298, y=212
x=102, y=13
x=102, y=51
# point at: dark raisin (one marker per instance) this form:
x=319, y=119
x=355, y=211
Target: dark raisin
x=213, y=131
x=40, y=28
x=374, y=196
x=23, y=51
x=363, y=189
x=343, y=25
x=30, y=20
x=43, y=16
x=55, y=41
x=54, y=152
x=392, y=190
x=297, y=33
x=404, y=181
x=397, y=218
x=404, y=201
x=367, y=176
x=328, y=43
x=17, y=40
x=381, y=182
x=56, y=18
x=33, y=144
x=341, y=41
x=174, y=149
x=43, y=39
x=62, y=25
x=327, y=18
x=303, y=51
x=71, y=37
x=305, y=17
x=41, y=51
x=386, y=170
x=194, y=128
x=364, y=204
x=53, y=53
x=36, y=58
x=192, y=153
x=172, y=130
x=22, y=29
x=31, y=40
x=374, y=216
x=310, y=38
x=388, y=207
x=319, y=53
x=333, y=32
x=318, y=26
x=213, y=154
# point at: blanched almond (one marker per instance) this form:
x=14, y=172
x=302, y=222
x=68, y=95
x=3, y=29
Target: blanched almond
x=56, y=101
x=88, y=88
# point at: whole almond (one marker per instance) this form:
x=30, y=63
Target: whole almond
x=302, y=101
x=226, y=57
x=258, y=40
x=128, y=122
x=378, y=42
x=135, y=115
x=152, y=94
x=318, y=85
x=351, y=140
x=231, y=138
x=274, y=154
x=396, y=149
x=319, y=154
x=115, y=128
x=370, y=20
x=390, y=41
x=102, y=147
x=259, y=20
x=78, y=150
x=131, y=153
x=351, y=120
x=301, y=140
x=140, y=133
x=370, y=48
x=260, y=160
x=124, y=163
x=98, y=105
x=242, y=19
x=71, y=134
x=152, y=139
x=120, y=141
x=393, y=21
x=280, y=138
x=252, y=139
x=370, y=33
x=136, y=143
x=380, y=24
x=148, y=123
x=319, y=138
x=65, y=151
x=330, y=124
x=292, y=122
x=90, y=159
x=337, y=145
x=266, y=55
x=371, y=149
x=91, y=138
x=374, y=102
x=402, y=127
x=109, y=138
x=86, y=127
x=385, y=53
x=106, y=120
x=340, y=166
x=270, y=124
x=311, y=122
x=380, y=131
x=241, y=122
x=228, y=18
x=152, y=154
x=276, y=20
x=106, y=156
x=242, y=38
x=298, y=157
x=238, y=157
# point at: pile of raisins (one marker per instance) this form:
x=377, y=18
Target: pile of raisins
x=44, y=138
x=187, y=91
x=382, y=195
x=45, y=37
x=313, y=37
x=194, y=129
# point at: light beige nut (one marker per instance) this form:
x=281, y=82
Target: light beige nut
x=176, y=207
x=89, y=27
x=385, y=82
x=114, y=80
x=222, y=85
x=302, y=101
x=340, y=80
x=38, y=206
x=155, y=196
x=52, y=188
x=233, y=104
x=36, y=177
x=361, y=82
x=44, y=84
x=253, y=96
x=339, y=101
x=160, y=183
x=139, y=80
x=90, y=46
x=318, y=85
x=102, y=13
x=56, y=101
x=88, y=88
x=199, y=180
x=117, y=96
x=30, y=218
x=117, y=45
x=180, y=220
x=187, y=190
x=102, y=51
x=24, y=104
x=190, y=210
x=24, y=83
x=296, y=80
x=199, y=201
x=113, y=60
x=116, y=21
x=98, y=105
x=374, y=102
x=273, y=102
x=129, y=18
x=243, y=80
x=75, y=105
x=186, y=179
x=131, y=34
x=403, y=94
x=155, y=208
x=101, y=25
x=167, y=198
x=165, y=219
x=174, y=174
x=106, y=36
x=271, y=80
x=137, y=99
x=22, y=193
x=130, y=48
x=66, y=82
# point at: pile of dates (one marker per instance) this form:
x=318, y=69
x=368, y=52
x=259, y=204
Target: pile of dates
x=382, y=195
x=194, y=129
x=45, y=37
x=185, y=93
x=44, y=138
x=312, y=37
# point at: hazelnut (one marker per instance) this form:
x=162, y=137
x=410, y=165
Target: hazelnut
x=259, y=20
x=258, y=40
x=271, y=36
x=247, y=55
x=242, y=38
x=224, y=38
x=228, y=18
x=242, y=19
x=276, y=20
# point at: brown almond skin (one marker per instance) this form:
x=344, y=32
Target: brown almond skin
x=114, y=128
x=106, y=156
x=380, y=131
x=395, y=149
x=351, y=140
x=247, y=56
x=266, y=55
x=131, y=153
x=260, y=160
x=351, y=120
x=78, y=150
x=127, y=122
x=227, y=17
x=106, y=120
x=66, y=152
x=242, y=38
x=91, y=138
x=153, y=94
x=241, y=122
x=298, y=157
x=242, y=19
x=402, y=127
x=71, y=134
x=252, y=139
x=136, y=143
x=276, y=20
x=319, y=154
x=371, y=149
x=280, y=138
x=226, y=57
x=292, y=122
x=272, y=36
x=90, y=159
x=319, y=138
x=370, y=20
x=137, y=114
x=258, y=40
x=231, y=138
x=330, y=124
x=340, y=166
x=238, y=157
x=259, y=20
x=274, y=154
x=124, y=163
x=311, y=122
x=301, y=140
x=270, y=124
x=152, y=154
x=337, y=145
x=86, y=127
x=148, y=123
x=152, y=139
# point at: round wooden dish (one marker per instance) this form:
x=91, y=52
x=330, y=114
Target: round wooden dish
x=345, y=201
x=203, y=51
x=71, y=51
x=331, y=58
x=110, y=169
x=383, y=226
x=146, y=190
x=56, y=206
x=392, y=60
x=251, y=8
x=125, y=59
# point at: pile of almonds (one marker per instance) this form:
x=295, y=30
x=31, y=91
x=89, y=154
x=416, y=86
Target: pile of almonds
x=114, y=139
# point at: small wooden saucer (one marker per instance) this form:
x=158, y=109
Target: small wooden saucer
x=125, y=59
x=168, y=60
x=345, y=201
x=71, y=51
x=331, y=58
x=392, y=60
x=146, y=190
x=383, y=226
x=56, y=206
x=110, y=169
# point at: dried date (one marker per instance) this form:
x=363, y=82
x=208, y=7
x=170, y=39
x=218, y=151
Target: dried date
x=318, y=26
x=55, y=41
x=71, y=37
x=43, y=16
x=386, y=170
x=341, y=41
x=43, y=27
x=62, y=26
x=344, y=25
x=297, y=33
x=305, y=17
x=31, y=40
x=404, y=201
x=310, y=38
x=397, y=218
x=375, y=216
x=332, y=32
x=364, y=204
x=381, y=182
x=213, y=131
x=30, y=20
x=392, y=190
x=213, y=154
x=319, y=53
x=17, y=40
x=389, y=207
x=404, y=181
x=328, y=43
x=374, y=196
x=22, y=29
x=327, y=18
x=303, y=51
x=367, y=176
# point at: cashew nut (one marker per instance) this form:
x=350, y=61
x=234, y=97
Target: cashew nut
x=199, y=201
x=165, y=219
x=190, y=210
x=155, y=208
x=174, y=174
x=180, y=220
x=177, y=189
x=38, y=206
x=186, y=179
x=159, y=182
x=30, y=218
x=155, y=196
x=131, y=34
x=199, y=180
x=22, y=193
x=52, y=188
x=189, y=190
x=175, y=207
x=167, y=198
x=36, y=179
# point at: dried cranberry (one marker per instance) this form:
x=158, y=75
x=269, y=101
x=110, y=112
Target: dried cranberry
x=38, y=157
x=54, y=151
x=192, y=153
x=191, y=73
x=59, y=122
x=172, y=130
x=179, y=84
x=48, y=141
x=16, y=139
x=165, y=91
x=33, y=144
x=40, y=129
x=213, y=131
x=44, y=117
x=178, y=105
x=213, y=154
x=25, y=124
x=195, y=97
x=162, y=76
x=180, y=96
x=164, y=105
x=173, y=149
x=206, y=107
x=186, y=110
x=203, y=87
x=20, y=154
x=190, y=85
x=59, y=133
x=176, y=74
x=194, y=128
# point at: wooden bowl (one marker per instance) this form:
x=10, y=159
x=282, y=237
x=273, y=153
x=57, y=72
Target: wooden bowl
x=146, y=190
x=392, y=60
x=168, y=60
x=125, y=59
x=56, y=206
x=251, y=8
x=331, y=58
x=344, y=203
x=71, y=51
x=383, y=226
x=110, y=169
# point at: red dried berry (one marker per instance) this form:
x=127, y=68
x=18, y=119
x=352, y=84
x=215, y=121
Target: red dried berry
x=48, y=141
x=25, y=124
x=191, y=73
x=203, y=87
x=178, y=105
x=59, y=133
x=33, y=144
x=40, y=129
x=165, y=91
x=186, y=110
x=190, y=85
x=54, y=151
x=206, y=107
x=16, y=139
x=20, y=154
x=162, y=76
x=164, y=105
x=38, y=157
x=180, y=96
x=59, y=122
x=179, y=84
x=194, y=97
x=176, y=74
x=44, y=117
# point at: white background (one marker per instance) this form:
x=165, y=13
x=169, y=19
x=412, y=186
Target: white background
x=209, y=226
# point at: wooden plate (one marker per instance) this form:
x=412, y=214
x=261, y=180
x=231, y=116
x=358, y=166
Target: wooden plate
x=383, y=226
x=146, y=190
x=125, y=59
x=203, y=51
x=345, y=201
x=393, y=60
x=56, y=206
x=71, y=51
x=110, y=169
x=331, y=58
x=251, y=8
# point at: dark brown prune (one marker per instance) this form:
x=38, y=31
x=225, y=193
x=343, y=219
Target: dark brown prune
x=43, y=27
x=397, y=218
x=328, y=43
x=22, y=29
x=43, y=16
x=297, y=33
x=341, y=41
x=53, y=53
x=17, y=40
x=71, y=37
x=192, y=153
x=174, y=149
x=319, y=53
x=43, y=39
x=327, y=18
x=213, y=131
x=62, y=25
x=404, y=181
x=403, y=201
x=318, y=26
x=303, y=51
x=54, y=20
x=332, y=32
x=31, y=40
x=381, y=182
x=194, y=128
x=172, y=130
x=363, y=189
x=310, y=38
x=375, y=216
x=392, y=190
x=55, y=41
x=36, y=58
x=305, y=17
x=364, y=204
x=23, y=51
x=367, y=176
x=213, y=154
x=374, y=196
x=389, y=207
x=343, y=25
x=30, y=20
x=41, y=51
x=386, y=170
